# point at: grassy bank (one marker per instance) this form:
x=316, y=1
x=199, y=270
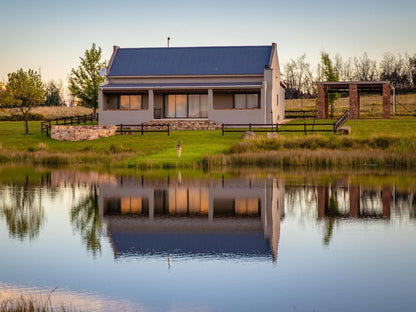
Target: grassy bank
x=380, y=143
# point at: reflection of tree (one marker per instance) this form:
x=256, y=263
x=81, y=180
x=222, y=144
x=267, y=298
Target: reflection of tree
x=331, y=213
x=85, y=219
x=24, y=215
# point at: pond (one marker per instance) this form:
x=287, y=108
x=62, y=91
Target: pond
x=222, y=241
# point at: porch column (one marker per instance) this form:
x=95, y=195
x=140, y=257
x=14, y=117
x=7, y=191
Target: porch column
x=354, y=102
x=210, y=103
x=322, y=102
x=263, y=105
x=386, y=101
x=151, y=102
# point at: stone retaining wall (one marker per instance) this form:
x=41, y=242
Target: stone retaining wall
x=80, y=133
x=193, y=124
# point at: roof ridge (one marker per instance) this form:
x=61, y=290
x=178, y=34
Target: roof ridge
x=198, y=47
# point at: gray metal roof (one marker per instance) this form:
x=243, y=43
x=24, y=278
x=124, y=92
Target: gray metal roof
x=191, y=61
x=214, y=85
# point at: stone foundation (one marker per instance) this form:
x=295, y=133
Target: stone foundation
x=193, y=124
x=81, y=133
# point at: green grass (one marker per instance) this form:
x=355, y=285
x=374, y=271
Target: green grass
x=371, y=140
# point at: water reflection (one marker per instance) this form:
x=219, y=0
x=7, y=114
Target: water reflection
x=85, y=220
x=22, y=209
x=232, y=218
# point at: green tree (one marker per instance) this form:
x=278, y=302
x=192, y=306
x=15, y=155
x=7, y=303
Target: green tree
x=329, y=74
x=83, y=82
x=53, y=94
x=24, y=90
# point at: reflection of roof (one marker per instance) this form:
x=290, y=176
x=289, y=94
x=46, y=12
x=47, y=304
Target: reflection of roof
x=191, y=61
x=208, y=244
x=187, y=236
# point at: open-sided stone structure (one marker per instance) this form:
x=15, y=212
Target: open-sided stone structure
x=354, y=88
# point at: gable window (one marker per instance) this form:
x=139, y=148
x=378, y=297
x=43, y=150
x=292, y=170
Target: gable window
x=245, y=101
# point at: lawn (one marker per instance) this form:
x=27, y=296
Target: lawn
x=159, y=150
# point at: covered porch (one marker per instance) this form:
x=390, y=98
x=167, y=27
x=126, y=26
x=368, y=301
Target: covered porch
x=241, y=102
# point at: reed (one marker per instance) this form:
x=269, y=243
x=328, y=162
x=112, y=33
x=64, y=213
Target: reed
x=309, y=159
x=41, y=303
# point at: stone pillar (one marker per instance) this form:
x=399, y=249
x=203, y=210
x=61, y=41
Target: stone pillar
x=354, y=191
x=386, y=201
x=386, y=100
x=323, y=200
x=354, y=102
x=322, y=102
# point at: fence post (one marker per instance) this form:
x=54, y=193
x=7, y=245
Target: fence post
x=142, y=128
x=304, y=127
x=85, y=119
x=277, y=127
x=335, y=128
x=222, y=129
x=249, y=126
x=47, y=131
x=65, y=121
x=121, y=129
x=72, y=120
x=168, y=129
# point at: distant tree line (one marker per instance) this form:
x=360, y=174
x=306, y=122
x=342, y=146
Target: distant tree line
x=301, y=77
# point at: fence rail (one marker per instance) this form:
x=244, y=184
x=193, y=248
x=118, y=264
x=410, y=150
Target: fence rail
x=288, y=127
x=124, y=129
x=45, y=126
x=301, y=114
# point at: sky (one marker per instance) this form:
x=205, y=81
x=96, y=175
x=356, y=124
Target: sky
x=50, y=36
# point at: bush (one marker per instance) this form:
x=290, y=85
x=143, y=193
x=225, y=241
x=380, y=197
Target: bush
x=19, y=117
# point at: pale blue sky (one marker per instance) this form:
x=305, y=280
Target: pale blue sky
x=51, y=35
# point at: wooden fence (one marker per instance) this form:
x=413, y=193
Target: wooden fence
x=300, y=114
x=142, y=128
x=45, y=126
x=305, y=127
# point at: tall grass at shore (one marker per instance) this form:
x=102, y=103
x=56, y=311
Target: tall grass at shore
x=30, y=304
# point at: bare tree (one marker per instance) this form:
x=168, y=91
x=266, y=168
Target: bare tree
x=365, y=69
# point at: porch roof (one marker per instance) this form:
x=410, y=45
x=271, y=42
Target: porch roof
x=166, y=86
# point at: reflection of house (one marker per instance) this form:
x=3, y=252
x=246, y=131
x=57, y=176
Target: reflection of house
x=234, y=217
x=220, y=84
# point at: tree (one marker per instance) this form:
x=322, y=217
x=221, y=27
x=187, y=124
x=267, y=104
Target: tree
x=329, y=74
x=299, y=78
x=395, y=70
x=83, y=82
x=365, y=69
x=53, y=94
x=24, y=90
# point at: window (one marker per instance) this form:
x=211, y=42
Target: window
x=125, y=102
x=130, y=102
x=186, y=106
x=244, y=101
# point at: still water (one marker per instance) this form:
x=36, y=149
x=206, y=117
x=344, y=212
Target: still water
x=169, y=241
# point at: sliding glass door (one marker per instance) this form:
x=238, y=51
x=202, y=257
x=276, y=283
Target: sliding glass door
x=186, y=106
